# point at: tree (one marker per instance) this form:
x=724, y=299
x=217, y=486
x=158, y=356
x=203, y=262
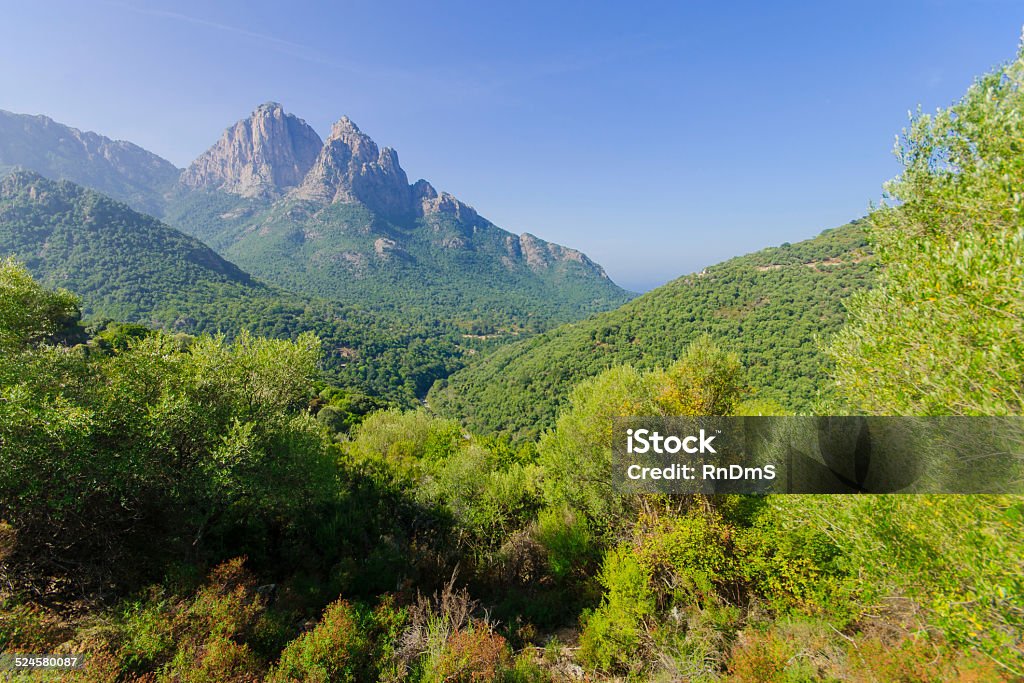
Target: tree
x=110, y=464
x=29, y=313
x=943, y=332
x=577, y=455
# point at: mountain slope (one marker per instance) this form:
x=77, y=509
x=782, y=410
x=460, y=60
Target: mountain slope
x=116, y=168
x=771, y=307
x=354, y=229
x=128, y=265
x=133, y=268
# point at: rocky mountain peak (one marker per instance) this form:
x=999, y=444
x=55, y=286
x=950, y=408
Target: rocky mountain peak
x=350, y=168
x=263, y=155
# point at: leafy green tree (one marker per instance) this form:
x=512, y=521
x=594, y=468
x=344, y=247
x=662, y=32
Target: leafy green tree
x=706, y=382
x=577, y=455
x=29, y=313
x=113, y=464
x=943, y=332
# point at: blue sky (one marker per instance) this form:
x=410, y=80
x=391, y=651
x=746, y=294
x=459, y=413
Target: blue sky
x=657, y=137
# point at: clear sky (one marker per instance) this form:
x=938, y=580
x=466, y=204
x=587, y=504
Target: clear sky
x=656, y=137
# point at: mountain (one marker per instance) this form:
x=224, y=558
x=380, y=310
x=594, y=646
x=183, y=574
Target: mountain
x=116, y=168
x=335, y=218
x=350, y=169
x=354, y=229
x=264, y=155
x=772, y=307
x=132, y=268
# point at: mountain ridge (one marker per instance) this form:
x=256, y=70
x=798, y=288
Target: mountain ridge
x=773, y=307
x=117, y=168
x=337, y=218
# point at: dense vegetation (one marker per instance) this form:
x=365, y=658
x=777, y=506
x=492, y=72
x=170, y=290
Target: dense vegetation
x=944, y=334
x=201, y=509
x=132, y=268
x=773, y=308
x=454, y=268
x=180, y=508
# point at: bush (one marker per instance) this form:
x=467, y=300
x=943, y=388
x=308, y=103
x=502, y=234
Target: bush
x=615, y=632
x=337, y=649
x=472, y=655
x=568, y=541
x=218, y=660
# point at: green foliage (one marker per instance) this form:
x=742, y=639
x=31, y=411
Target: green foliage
x=567, y=540
x=614, y=632
x=153, y=448
x=30, y=314
x=705, y=382
x=944, y=331
x=340, y=410
x=941, y=334
x=772, y=308
x=134, y=269
x=455, y=267
x=487, y=501
x=958, y=556
x=410, y=435
x=577, y=455
x=337, y=649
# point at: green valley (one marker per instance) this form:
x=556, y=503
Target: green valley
x=775, y=308
x=132, y=268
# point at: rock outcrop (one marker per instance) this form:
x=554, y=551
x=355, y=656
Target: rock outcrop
x=351, y=169
x=541, y=254
x=264, y=155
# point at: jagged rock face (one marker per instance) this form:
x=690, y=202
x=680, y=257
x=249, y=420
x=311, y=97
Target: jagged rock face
x=539, y=254
x=264, y=155
x=267, y=154
x=428, y=202
x=350, y=169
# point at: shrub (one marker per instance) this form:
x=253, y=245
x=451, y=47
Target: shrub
x=614, y=633
x=689, y=555
x=472, y=655
x=566, y=536
x=337, y=649
x=397, y=435
x=218, y=660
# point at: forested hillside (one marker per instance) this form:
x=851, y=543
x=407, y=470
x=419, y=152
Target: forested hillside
x=774, y=308
x=132, y=268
